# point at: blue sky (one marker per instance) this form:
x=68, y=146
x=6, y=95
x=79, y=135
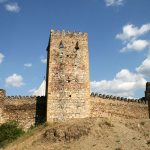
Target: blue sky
x=119, y=41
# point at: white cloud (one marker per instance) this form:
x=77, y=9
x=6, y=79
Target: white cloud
x=124, y=84
x=144, y=68
x=137, y=45
x=14, y=80
x=12, y=7
x=43, y=60
x=28, y=65
x=1, y=58
x=114, y=2
x=130, y=31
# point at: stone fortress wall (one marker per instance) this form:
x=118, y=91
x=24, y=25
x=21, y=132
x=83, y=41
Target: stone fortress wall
x=27, y=110
x=108, y=106
x=31, y=110
x=68, y=89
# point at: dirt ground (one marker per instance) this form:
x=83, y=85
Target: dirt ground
x=90, y=134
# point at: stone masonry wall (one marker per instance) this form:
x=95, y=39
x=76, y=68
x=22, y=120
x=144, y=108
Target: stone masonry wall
x=30, y=111
x=68, y=89
x=26, y=110
x=101, y=107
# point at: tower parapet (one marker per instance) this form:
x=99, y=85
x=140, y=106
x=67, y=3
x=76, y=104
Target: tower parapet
x=63, y=32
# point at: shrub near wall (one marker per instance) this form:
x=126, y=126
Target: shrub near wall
x=8, y=132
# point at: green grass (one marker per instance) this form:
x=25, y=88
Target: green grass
x=9, y=132
x=33, y=130
x=20, y=136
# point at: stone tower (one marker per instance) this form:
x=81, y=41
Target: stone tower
x=68, y=86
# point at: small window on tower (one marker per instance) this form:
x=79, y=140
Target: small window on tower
x=77, y=46
x=61, y=45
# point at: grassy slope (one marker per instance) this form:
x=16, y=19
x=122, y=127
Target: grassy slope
x=87, y=134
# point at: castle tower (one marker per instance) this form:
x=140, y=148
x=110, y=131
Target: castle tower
x=68, y=86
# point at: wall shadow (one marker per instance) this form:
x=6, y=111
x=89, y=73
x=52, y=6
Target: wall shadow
x=41, y=106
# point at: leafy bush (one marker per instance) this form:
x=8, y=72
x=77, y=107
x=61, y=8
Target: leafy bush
x=8, y=132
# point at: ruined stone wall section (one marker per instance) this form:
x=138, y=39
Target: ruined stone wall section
x=101, y=107
x=68, y=89
x=27, y=110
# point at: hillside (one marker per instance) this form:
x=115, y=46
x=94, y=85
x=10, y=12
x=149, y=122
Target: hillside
x=86, y=134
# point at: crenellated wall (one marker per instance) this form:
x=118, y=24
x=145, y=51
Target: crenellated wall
x=31, y=110
x=27, y=110
x=108, y=105
x=104, y=96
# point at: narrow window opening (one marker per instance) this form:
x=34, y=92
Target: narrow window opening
x=69, y=95
x=61, y=45
x=77, y=46
x=68, y=80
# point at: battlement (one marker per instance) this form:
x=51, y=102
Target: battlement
x=18, y=97
x=65, y=33
x=118, y=98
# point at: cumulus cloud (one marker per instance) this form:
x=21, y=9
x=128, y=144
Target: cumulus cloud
x=43, y=60
x=130, y=37
x=137, y=45
x=144, y=68
x=114, y=2
x=124, y=84
x=14, y=80
x=12, y=7
x=28, y=65
x=1, y=58
x=130, y=31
